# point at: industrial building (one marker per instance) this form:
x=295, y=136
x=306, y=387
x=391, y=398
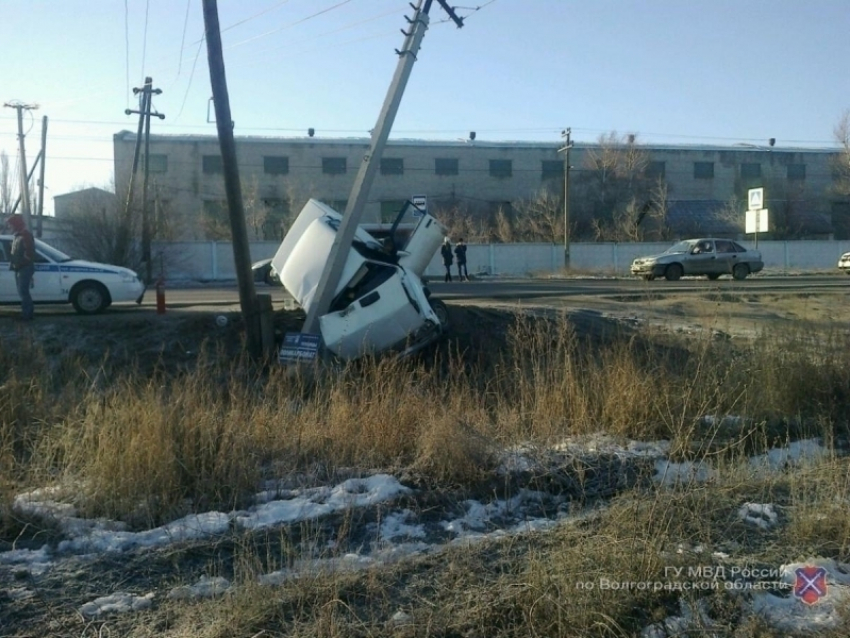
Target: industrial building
x=187, y=197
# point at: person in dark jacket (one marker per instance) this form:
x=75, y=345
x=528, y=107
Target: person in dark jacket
x=460, y=253
x=448, y=258
x=22, y=261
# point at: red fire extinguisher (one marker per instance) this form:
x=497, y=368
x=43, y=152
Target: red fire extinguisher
x=160, y=296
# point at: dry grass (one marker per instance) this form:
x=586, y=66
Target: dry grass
x=145, y=449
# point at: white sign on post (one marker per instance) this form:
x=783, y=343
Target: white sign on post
x=420, y=202
x=757, y=221
x=755, y=199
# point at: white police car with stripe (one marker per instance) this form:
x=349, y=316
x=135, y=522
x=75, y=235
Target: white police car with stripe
x=89, y=286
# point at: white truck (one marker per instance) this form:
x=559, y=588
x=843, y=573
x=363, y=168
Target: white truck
x=380, y=303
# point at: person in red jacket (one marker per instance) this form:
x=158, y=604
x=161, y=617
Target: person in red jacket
x=22, y=261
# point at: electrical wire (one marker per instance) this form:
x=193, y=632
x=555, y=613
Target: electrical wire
x=290, y=25
x=145, y=38
x=127, y=48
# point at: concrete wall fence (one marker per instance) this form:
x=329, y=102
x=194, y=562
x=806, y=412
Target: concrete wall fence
x=213, y=260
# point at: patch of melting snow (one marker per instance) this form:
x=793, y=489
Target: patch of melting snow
x=672, y=474
x=117, y=603
x=793, y=455
x=206, y=587
x=761, y=515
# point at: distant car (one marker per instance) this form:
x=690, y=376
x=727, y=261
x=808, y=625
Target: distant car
x=704, y=256
x=264, y=272
x=844, y=263
x=89, y=286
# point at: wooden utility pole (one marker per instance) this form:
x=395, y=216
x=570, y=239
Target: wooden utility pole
x=566, y=150
x=363, y=182
x=25, y=188
x=43, y=155
x=224, y=123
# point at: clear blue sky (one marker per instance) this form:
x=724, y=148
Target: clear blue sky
x=672, y=71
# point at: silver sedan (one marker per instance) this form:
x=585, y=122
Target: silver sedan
x=698, y=257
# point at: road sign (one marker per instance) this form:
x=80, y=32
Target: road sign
x=757, y=221
x=420, y=202
x=755, y=199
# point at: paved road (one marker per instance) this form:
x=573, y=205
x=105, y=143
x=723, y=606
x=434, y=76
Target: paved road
x=509, y=289
x=225, y=298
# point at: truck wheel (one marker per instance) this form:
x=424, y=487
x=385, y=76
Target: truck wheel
x=441, y=311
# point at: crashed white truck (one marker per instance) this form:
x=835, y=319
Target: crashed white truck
x=380, y=303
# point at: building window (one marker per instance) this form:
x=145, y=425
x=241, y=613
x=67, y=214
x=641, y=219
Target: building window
x=390, y=209
x=212, y=164
x=796, y=171
x=275, y=165
x=750, y=170
x=158, y=163
x=392, y=166
x=333, y=165
x=656, y=170
x=551, y=169
x=445, y=166
x=501, y=168
x=703, y=170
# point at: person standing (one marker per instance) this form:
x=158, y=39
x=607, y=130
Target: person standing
x=448, y=258
x=460, y=253
x=22, y=261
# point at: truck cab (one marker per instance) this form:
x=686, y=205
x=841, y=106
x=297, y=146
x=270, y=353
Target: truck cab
x=380, y=303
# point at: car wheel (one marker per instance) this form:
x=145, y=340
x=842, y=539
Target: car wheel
x=673, y=272
x=441, y=311
x=740, y=271
x=648, y=277
x=713, y=276
x=90, y=298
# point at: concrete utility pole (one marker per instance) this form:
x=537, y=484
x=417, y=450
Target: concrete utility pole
x=25, y=188
x=144, y=117
x=363, y=182
x=43, y=156
x=251, y=311
x=566, y=150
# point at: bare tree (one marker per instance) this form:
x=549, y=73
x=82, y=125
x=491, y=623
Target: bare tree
x=93, y=226
x=613, y=189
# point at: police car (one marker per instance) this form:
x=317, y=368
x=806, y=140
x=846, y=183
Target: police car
x=89, y=286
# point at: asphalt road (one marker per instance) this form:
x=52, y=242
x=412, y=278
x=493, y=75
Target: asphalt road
x=225, y=298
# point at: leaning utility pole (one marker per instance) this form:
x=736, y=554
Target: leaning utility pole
x=239, y=232
x=144, y=118
x=363, y=182
x=25, y=190
x=566, y=150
